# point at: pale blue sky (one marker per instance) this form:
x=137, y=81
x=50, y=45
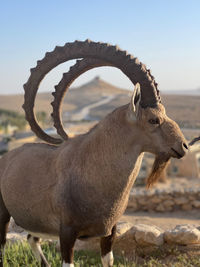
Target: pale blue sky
x=165, y=35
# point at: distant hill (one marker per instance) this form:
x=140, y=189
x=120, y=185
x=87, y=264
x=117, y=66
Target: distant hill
x=76, y=97
x=183, y=92
x=42, y=103
x=184, y=109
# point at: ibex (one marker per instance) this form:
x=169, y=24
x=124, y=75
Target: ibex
x=80, y=188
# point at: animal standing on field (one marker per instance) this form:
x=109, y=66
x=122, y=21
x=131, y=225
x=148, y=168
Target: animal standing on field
x=80, y=188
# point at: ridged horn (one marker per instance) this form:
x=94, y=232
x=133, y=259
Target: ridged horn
x=75, y=71
x=196, y=139
x=134, y=70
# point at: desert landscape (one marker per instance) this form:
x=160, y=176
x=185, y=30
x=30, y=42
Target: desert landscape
x=181, y=107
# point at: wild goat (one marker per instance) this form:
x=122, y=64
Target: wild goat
x=80, y=188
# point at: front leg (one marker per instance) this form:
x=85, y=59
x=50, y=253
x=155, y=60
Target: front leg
x=68, y=237
x=34, y=243
x=106, y=248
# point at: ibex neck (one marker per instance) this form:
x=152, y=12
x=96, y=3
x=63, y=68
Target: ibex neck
x=101, y=167
x=113, y=151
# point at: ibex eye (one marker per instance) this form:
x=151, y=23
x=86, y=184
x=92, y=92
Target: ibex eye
x=154, y=121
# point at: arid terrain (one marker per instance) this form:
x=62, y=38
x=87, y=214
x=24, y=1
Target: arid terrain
x=184, y=109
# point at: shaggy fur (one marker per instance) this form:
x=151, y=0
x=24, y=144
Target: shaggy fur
x=159, y=165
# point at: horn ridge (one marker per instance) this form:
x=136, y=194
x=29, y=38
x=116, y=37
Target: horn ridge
x=75, y=71
x=87, y=49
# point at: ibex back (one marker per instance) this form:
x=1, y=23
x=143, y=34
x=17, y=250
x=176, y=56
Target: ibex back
x=80, y=188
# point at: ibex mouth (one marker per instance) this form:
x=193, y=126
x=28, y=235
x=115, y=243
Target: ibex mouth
x=178, y=155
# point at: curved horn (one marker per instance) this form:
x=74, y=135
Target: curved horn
x=196, y=139
x=131, y=67
x=75, y=71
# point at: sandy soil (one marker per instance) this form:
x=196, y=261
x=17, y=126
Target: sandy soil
x=166, y=220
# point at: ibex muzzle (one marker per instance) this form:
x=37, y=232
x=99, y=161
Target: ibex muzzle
x=80, y=188
x=160, y=133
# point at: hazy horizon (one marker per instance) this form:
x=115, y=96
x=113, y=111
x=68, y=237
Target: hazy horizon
x=175, y=91
x=163, y=35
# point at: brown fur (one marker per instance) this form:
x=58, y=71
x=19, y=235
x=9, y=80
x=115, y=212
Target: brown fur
x=85, y=183
x=96, y=169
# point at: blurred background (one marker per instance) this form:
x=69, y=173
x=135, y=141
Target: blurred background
x=162, y=34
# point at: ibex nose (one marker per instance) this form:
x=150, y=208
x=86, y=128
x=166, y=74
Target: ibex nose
x=181, y=151
x=185, y=147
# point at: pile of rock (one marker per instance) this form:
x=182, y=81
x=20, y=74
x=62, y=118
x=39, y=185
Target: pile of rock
x=164, y=200
x=148, y=238
x=131, y=237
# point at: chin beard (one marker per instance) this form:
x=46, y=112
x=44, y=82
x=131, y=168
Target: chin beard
x=160, y=163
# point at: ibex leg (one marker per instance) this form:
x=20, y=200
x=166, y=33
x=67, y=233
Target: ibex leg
x=67, y=240
x=4, y=221
x=106, y=249
x=34, y=243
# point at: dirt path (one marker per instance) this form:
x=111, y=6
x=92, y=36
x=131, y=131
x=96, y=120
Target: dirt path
x=84, y=112
x=166, y=220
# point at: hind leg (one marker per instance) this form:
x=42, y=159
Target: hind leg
x=106, y=249
x=34, y=243
x=4, y=221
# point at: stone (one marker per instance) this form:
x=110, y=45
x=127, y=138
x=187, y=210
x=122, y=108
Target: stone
x=123, y=227
x=142, y=201
x=169, y=208
x=164, y=200
x=125, y=244
x=155, y=200
x=149, y=193
x=127, y=240
x=13, y=227
x=184, y=234
x=186, y=207
x=168, y=203
x=132, y=205
x=160, y=207
x=15, y=237
x=192, y=197
x=196, y=203
x=181, y=200
x=146, y=235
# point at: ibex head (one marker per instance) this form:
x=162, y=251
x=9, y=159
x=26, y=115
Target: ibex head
x=156, y=132
x=159, y=134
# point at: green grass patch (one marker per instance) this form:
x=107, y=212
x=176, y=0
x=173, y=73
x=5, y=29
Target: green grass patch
x=19, y=255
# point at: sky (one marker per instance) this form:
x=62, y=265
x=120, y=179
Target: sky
x=163, y=34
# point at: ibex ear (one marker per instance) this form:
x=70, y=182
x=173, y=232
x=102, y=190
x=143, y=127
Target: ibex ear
x=135, y=99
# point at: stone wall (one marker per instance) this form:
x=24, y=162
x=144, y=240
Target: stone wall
x=164, y=200
x=149, y=238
